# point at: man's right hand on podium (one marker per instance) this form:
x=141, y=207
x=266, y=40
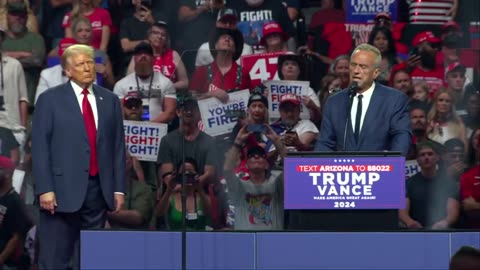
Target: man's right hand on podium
x=48, y=202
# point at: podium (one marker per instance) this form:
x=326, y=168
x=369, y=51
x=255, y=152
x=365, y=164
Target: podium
x=353, y=191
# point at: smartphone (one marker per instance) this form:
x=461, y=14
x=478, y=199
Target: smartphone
x=257, y=128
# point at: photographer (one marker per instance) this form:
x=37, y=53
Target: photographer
x=197, y=201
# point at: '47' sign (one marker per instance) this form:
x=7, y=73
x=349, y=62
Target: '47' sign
x=261, y=67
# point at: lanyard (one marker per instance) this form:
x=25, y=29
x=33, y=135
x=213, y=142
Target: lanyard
x=149, y=86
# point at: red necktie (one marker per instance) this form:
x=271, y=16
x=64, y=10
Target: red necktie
x=91, y=132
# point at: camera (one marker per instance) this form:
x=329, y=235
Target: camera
x=257, y=128
x=189, y=178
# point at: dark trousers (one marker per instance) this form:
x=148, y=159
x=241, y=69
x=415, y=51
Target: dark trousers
x=59, y=232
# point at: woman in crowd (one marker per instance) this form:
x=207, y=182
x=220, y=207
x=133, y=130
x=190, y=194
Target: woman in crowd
x=166, y=60
x=329, y=84
x=473, y=148
x=443, y=121
x=341, y=68
x=274, y=39
x=198, y=204
x=382, y=39
x=471, y=99
x=99, y=19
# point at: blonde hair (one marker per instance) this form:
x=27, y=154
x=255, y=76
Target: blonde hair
x=75, y=50
x=369, y=48
x=452, y=115
x=31, y=23
x=424, y=86
x=77, y=21
x=77, y=10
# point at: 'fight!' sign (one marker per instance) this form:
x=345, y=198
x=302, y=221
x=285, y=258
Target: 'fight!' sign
x=143, y=138
x=345, y=183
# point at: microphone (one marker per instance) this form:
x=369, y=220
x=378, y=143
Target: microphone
x=352, y=89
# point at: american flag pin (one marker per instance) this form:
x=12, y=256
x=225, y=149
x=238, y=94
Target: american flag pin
x=101, y=98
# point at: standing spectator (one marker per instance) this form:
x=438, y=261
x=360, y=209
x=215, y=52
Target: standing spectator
x=341, y=68
x=327, y=13
x=400, y=80
x=455, y=78
x=432, y=200
x=258, y=201
x=469, y=191
x=227, y=18
x=98, y=17
x=453, y=159
x=166, y=60
x=157, y=91
x=23, y=45
x=471, y=119
x=76, y=178
x=474, y=148
x=419, y=124
x=13, y=220
x=274, y=39
x=32, y=23
x=224, y=74
x=329, y=85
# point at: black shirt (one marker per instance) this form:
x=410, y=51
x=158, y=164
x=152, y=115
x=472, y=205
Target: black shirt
x=7, y=142
x=429, y=196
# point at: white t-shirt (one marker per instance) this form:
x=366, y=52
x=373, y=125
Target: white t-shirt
x=161, y=87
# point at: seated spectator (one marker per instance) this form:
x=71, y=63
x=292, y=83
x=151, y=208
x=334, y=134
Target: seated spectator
x=432, y=200
x=455, y=78
x=421, y=92
x=224, y=74
x=23, y=45
x=32, y=23
x=471, y=99
x=443, y=121
x=14, y=223
x=82, y=33
x=137, y=210
x=258, y=200
x=297, y=134
x=99, y=18
x=330, y=84
x=158, y=93
x=274, y=39
x=469, y=191
x=453, y=159
x=466, y=258
x=227, y=18
x=400, y=80
x=341, y=68
x=382, y=39
x=422, y=65
x=166, y=60
x=292, y=67
x=198, y=205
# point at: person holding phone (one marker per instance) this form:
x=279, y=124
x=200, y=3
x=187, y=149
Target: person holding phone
x=198, y=203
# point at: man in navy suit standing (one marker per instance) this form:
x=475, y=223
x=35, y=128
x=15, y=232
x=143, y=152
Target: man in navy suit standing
x=378, y=119
x=78, y=150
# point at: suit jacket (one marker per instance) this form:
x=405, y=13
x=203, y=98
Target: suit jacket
x=61, y=151
x=386, y=125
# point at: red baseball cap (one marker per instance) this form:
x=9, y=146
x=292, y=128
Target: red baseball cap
x=289, y=98
x=133, y=98
x=272, y=28
x=6, y=163
x=425, y=36
x=385, y=15
x=456, y=66
x=64, y=44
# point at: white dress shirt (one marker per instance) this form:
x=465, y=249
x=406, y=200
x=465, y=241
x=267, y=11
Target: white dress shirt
x=91, y=98
x=367, y=96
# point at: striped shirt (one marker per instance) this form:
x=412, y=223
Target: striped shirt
x=430, y=11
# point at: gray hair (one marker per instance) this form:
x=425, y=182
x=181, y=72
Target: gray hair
x=370, y=48
x=338, y=59
x=75, y=50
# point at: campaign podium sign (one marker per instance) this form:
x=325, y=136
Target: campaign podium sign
x=344, y=182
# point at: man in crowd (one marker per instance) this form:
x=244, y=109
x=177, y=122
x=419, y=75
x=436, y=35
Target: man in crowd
x=432, y=199
x=455, y=78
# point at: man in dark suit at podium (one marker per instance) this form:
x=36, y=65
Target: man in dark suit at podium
x=78, y=149
x=365, y=117
x=378, y=119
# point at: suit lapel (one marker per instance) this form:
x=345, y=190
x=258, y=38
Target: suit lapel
x=100, y=112
x=370, y=116
x=350, y=141
x=72, y=103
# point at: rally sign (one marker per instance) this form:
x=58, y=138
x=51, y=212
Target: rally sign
x=260, y=67
x=143, y=139
x=277, y=89
x=345, y=183
x=363, y=11
x=214, y=113
x=411, y=168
